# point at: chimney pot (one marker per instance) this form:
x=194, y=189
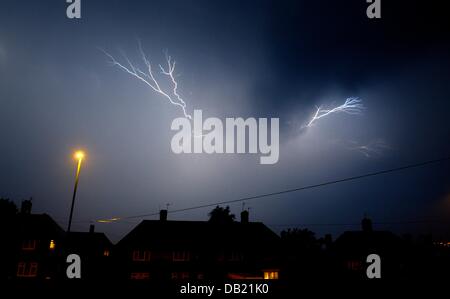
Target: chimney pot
x=26, y=206
x=366, y=224
x=244, y=216
x=163, y=215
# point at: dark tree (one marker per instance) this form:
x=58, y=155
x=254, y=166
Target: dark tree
x=221, y=215
x=8, y=212
x=300, y=238
x=8, y=208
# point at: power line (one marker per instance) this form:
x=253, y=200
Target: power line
x=352, y=178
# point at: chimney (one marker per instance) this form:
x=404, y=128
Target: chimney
x=244, y=216
x=328, y=241
x=366, y=224
x=91, y=229
x=26, y=206
x=163, y=215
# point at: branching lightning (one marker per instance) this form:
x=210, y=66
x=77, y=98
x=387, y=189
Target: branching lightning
x=351, y=106
x=148, y=77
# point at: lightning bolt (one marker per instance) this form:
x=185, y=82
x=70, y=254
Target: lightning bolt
x=149, y=79
x=351, y=106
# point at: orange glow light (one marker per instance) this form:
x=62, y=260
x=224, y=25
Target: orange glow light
x=79, y=155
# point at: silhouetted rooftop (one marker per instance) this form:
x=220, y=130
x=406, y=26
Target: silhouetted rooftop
x=91, y=239
x=37, y=225
x=167, y=233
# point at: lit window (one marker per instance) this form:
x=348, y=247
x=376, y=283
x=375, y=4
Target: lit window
x=21, y=269
x=181, y=256
x=106, y=252
x=141, y=255
x=29, y=245
x=270, y=274
x=52, y=245
x=27, y=269
x=139, y=275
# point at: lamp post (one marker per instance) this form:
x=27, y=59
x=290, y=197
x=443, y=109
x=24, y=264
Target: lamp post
x=79, y=155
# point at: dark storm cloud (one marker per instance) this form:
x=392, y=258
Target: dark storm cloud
x=316, y=45
x=234, y=58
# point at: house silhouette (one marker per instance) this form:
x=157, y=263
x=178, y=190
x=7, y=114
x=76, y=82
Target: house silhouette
x=176, y=250
x=94, y=249
x=37, y=247
x=353, y=247
x=36, y=242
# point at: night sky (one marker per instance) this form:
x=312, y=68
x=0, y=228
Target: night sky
x=58, y=93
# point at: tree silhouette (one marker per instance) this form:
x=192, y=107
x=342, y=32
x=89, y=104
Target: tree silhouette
x=8, y=212
x=8, y=208
x=300, y=238
x=221, y=215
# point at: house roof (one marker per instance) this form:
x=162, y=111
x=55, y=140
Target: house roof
x=361, y=241
x=158, y=233
x=88, y=240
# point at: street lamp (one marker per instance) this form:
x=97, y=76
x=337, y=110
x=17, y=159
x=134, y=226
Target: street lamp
x=79, y=155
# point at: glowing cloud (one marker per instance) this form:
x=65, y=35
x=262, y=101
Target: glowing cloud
x=374, y=148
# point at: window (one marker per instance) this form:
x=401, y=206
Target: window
x=141, y=255
x=181, y=256
x=180, y=275
x=139, y=275
x=270, y=274
x=33, y=269
x=27, y=269
x=235, y=256
x=52, y=245
x=21, y=269
x=354, y=265
x=29, y=244
x=106, y=252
